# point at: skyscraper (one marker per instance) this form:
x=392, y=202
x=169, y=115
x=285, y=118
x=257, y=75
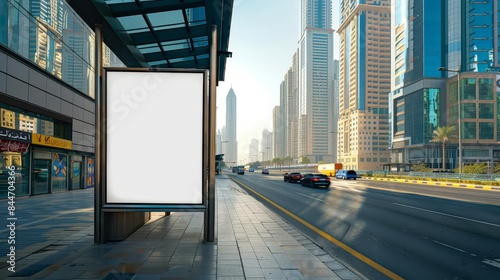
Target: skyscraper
x=315, y=74
x=279, y=133
x=290, y=107
x=364, y=83
x=231, y=153
x=458, y=36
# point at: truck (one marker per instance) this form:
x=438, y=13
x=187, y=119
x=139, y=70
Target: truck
x=329, y=169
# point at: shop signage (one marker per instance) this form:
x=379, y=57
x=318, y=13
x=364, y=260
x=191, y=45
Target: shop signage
x=15, y=135
x=51, y=141
x=13, y=146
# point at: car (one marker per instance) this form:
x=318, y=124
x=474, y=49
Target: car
x=265, y=171
x=251, y=169
x=241, y=171
x=292, y=177
x=315, y=180
x=346, y=174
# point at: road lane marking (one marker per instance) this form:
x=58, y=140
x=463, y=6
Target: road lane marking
x=448, y=215
x=310, y=197
x=323, y=234
x=449, y=246
x=495, y=263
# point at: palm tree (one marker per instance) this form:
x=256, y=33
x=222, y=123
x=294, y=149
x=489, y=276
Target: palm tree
x=443, y=135
x=305, y=160
x=288, y=160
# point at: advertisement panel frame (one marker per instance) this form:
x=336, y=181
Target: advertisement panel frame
x=138, y=107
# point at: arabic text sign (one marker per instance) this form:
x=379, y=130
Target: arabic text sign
x=51, y=141
x=15, y=135
x=154, y=136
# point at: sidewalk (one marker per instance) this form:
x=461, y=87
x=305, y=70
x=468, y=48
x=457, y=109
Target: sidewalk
x=252, y=242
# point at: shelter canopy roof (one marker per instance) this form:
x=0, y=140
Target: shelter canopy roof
x=161, y=33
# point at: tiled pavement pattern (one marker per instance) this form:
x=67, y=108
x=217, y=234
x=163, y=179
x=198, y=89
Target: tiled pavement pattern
x=252, y=242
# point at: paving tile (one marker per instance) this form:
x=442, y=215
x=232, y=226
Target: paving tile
x=255, y=243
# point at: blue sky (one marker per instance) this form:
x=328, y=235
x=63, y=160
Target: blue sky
x=264, y=36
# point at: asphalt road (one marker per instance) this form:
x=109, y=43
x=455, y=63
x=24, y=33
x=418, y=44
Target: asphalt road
x=393, y=229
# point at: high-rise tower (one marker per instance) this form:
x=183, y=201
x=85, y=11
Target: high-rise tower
x=460, y=38
x=364, y=83
x=315, y=76
x=231, y=156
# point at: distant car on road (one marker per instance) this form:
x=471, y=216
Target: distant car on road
x=241, y=171
x=346, y=174
x=265, y=171
x=251, y=169
x=315, y=180
x=292, y=177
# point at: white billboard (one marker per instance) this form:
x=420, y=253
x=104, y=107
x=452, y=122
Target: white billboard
x=154, y=136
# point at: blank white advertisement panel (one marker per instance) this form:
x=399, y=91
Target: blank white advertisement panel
x=154, y=137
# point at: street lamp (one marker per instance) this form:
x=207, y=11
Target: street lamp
x=459, y=117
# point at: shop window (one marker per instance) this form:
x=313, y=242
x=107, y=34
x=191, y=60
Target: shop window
x=19, y=162
x=59, y=172
x=19, y=119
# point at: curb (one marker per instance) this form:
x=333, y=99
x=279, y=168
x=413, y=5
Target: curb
x=439, y=184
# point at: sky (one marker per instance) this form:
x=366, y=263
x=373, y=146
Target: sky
x=263, y=38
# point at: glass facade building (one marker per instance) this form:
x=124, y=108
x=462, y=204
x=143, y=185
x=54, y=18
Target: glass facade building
x=46, y=97
x=458, y=36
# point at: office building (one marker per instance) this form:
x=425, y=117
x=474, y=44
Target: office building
x=364, y=84
x=46, y=97
x=315, y=90
x=458, y=37
x=289, y=100
x=307, y=92
x=279, y=133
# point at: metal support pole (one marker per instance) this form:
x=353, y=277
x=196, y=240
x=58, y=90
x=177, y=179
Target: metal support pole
x=98, y=214
x=210, y=213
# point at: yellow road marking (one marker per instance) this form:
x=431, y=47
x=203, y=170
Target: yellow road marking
x=346, y=248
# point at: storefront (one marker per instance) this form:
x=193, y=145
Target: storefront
x=43, y=163
x=14, y=147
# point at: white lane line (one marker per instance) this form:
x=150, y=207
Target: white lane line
x=309, y=196
x=449, y=215
x=449, y=246
x=495, y=263
x=345, y=186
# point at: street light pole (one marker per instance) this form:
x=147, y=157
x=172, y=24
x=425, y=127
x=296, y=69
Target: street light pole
x=459, y=101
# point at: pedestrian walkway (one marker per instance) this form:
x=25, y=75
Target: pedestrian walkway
x=252, y=242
